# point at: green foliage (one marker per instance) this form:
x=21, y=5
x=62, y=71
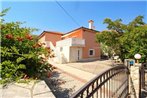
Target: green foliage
x=110, y=40
x=138, y=21
x=130, y=38
x=106, y=51
x=20, y=53
x=3, y=13
x=134, y=42
x=115, y=25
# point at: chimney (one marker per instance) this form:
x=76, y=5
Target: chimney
x=91, y=24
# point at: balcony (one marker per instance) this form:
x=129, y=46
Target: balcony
x=71, y=42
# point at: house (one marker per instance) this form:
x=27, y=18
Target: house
x=76, y=45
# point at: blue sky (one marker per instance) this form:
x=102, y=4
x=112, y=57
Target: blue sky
x=47, y=15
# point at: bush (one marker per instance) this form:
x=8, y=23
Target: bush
x=21, y=54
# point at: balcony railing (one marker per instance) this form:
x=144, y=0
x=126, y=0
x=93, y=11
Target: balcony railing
x=71, y=42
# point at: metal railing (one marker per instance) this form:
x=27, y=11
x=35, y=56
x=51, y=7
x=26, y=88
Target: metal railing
x=112, y=83
x=143, y=81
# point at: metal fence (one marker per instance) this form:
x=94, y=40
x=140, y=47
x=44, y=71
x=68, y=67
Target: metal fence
x=112, y=83
x=143, y=81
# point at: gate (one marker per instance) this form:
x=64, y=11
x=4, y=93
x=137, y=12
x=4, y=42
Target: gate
x=143, y=81
x=112, y=83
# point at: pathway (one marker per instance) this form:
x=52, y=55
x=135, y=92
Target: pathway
x=33, y=89
x=81, y=75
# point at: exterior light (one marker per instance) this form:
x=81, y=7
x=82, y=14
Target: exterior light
x=137, y=57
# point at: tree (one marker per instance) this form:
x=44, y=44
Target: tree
x=116, y=25
x=20, y=53
x=134, y=42
x=131, y=38
x=109, y=42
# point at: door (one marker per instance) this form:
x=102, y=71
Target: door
x=78, y=54
x=75, y=54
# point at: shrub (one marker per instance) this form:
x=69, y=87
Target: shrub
x=21, y=54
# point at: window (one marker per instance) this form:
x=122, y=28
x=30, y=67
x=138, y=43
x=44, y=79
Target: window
x=91, y=52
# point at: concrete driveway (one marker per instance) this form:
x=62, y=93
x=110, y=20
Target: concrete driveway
x=84, y=71
x=93, y=67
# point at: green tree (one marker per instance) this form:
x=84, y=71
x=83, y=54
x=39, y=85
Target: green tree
x=109, y=42
x=134, y=42
x=116, y=25
x=131, y=38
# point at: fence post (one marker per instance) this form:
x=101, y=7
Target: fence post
x=134, y=78
x=140, y=80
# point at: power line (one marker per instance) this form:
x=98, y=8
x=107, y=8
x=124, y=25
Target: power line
x=67, y=13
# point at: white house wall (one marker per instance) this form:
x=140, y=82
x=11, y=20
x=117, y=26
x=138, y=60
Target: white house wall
x=62, y=55
x=66, y=52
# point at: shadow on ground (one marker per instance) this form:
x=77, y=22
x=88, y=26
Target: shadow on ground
x=54, y=83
